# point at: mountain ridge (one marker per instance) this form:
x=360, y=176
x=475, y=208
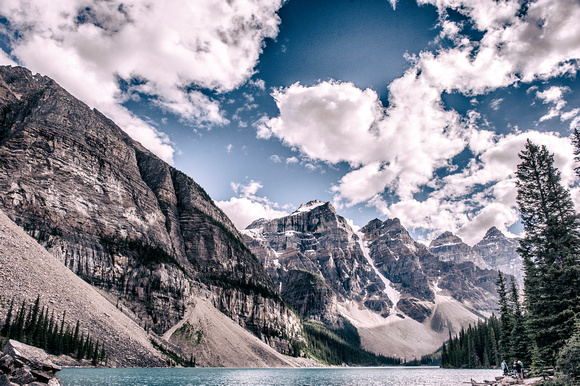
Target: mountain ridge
x=121, y=218
x=404, y=286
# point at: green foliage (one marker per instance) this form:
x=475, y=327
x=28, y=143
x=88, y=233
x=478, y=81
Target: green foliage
x=568, y=361
x=172, y=357
x=505, y=316
x=338, y=346
x=474, y=347
x=190, y=333
x=33, y=326
x=427, y=360
x=550, y=252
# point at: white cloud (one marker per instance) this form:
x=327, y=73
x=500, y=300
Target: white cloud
x=399, y=149
x=275, y=158
x=292, y=160
x=248, y=207
x=554, y=96
x=87, y=45
x=6, y=60
x=495, y=103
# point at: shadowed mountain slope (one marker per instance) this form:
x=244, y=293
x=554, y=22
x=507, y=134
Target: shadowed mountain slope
x=121, y=218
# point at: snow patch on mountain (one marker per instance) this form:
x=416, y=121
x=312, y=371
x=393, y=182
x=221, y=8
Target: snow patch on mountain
x=390, y=291
x=309, y=206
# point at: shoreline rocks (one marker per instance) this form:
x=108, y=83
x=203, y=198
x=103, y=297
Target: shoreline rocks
x=21, y=364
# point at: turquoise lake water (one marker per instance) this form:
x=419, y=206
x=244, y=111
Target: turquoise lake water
x=408, y=376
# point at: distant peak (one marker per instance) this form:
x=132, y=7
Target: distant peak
x=445, y=235
x=493, y=233
x=309, y=206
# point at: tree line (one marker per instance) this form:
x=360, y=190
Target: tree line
x=40, y=327
x=474, y=347
x=544, y=331
x=340, y=346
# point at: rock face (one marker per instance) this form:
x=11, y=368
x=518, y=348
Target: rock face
x=24, y=365
x=495, y=251
x=121, y=218
x=500, y=253
x=419, y=274
x=315, y=239
x=448, y=247
x=30, y=272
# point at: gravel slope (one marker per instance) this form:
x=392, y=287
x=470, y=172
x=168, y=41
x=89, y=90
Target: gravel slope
x=28, y=270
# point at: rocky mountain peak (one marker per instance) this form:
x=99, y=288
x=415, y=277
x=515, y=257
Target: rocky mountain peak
x=310, y=205
x=444, y=239
x=493, y=233
x=121, y=218
x=449, y=247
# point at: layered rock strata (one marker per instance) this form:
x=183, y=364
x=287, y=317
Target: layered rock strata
x=316, y=247
x=121, y=218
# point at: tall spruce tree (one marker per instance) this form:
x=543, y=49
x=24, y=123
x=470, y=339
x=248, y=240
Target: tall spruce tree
x=519, y=346
x=550, y=252
x=505, y=318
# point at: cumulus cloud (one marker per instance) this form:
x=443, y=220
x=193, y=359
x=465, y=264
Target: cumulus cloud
x=400, y=148
x=248, y=206
x=88, y=46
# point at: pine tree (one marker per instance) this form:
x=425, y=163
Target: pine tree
x=505, y=317
x=519, y=336
x=7, y=323
x=550, y=252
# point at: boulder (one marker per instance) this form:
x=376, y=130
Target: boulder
x=33, y=357
x=22, y=376
x=6, y=363
x=21, y=364
x=4, y=381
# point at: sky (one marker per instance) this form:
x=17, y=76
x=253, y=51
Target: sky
x=414, y=110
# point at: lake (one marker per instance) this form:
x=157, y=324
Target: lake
x=408, y=376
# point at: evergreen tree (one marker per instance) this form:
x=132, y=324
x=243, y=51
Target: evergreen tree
x=519, y=336
x=550, y=252
x=505, y=318
x=6, y=328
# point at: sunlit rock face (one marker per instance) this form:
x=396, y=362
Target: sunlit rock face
x=317, y=240
x=121, y=218
x=397, y=275
x=448, y=247
x=500, y=253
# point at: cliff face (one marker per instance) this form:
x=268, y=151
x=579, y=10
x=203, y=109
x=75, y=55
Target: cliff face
x=397, y=275
x=500, y=253
x=121, y=218
x=317, y=240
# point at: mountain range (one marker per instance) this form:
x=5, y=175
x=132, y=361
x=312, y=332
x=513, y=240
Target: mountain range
x=142, y=237
x=403, y=297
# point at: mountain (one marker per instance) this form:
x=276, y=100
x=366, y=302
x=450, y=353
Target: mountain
x=122, y=219
x=500, y=253
x=448, y=247
x=28, y=271
x=402, y=298
x=494, y=251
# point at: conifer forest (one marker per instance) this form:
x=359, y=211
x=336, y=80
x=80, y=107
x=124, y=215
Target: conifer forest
x=543, y=330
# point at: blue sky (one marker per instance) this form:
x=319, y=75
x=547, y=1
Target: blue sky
x=406, y=109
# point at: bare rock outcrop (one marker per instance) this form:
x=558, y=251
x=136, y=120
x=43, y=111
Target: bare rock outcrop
x=121, y=218
x=22, y=364
x=316, y=239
